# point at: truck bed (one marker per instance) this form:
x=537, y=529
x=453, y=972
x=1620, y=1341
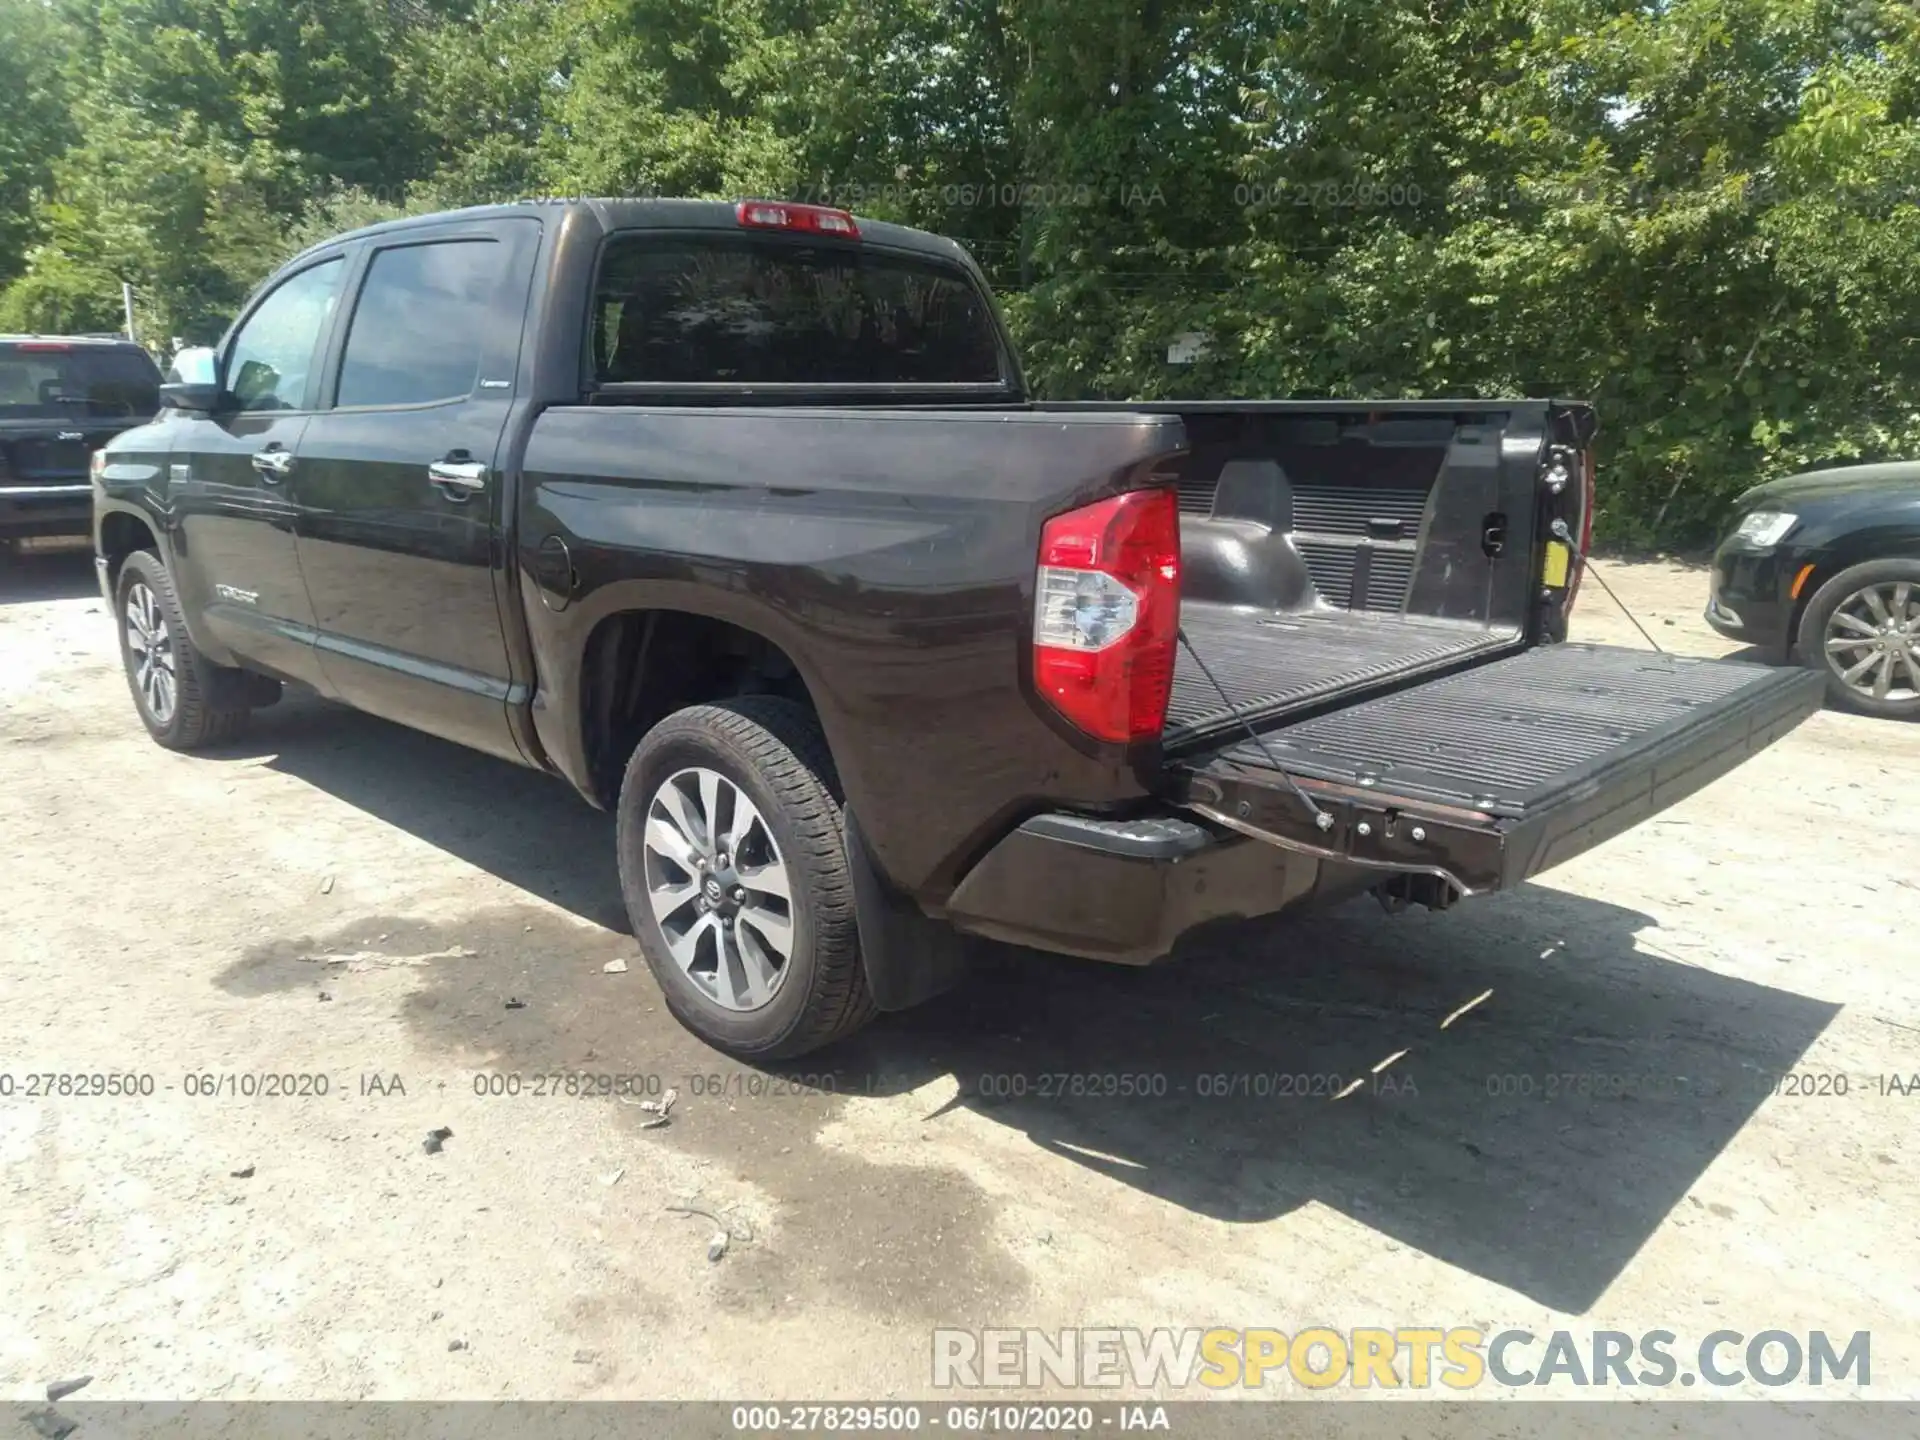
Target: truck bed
x=1331, y=554
x=1274, y=663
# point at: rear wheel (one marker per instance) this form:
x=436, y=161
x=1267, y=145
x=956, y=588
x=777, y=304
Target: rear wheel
x=734, y=869
x=181, y=695
x=1862, y=628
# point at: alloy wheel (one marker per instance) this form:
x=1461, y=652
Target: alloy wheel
x=1873, y=641
x=150, y=653
x=719, y=888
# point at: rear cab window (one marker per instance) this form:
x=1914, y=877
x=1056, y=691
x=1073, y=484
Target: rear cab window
x=54, y=380
x=704, y=309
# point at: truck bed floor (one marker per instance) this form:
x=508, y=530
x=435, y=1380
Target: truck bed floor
x=1272, y=663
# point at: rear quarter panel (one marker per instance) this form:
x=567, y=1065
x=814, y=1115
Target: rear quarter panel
x=891, y=554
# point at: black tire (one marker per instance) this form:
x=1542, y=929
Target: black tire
x=206, y=708
x=1839, y=592
x=773, y=751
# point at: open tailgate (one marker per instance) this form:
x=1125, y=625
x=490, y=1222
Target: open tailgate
x=1495, y=773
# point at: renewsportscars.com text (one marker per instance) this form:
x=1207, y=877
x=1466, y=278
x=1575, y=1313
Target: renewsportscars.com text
x=1410, y=1357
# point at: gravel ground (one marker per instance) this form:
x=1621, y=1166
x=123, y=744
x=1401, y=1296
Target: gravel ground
x=340, y=898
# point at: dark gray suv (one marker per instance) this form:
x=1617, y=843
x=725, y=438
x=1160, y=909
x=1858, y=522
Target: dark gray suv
x=61, y=398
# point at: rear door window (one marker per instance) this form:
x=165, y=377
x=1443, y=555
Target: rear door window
x=422, y=323
x=676, y=309
x=50, y=381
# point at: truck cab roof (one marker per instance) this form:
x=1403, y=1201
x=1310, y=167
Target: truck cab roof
x=630, y=213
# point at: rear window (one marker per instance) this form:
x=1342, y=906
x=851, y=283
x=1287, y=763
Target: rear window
x=47, y=383
x=757, y=311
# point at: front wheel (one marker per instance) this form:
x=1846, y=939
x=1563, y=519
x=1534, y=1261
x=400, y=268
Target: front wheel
x=1862, y=628
x=178, y=692
x=733, y=865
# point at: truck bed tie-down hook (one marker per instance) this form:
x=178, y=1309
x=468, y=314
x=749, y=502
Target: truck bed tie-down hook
x=1321, y=818
x=1561, y=531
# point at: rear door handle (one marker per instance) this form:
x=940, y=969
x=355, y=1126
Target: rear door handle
x=273, y=465
x=458, y=478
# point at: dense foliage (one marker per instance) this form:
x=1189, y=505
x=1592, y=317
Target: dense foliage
x=1704, y=214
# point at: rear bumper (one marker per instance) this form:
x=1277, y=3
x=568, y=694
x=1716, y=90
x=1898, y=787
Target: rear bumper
x=1482, y=779
x=60, y=509
x=1127, y=890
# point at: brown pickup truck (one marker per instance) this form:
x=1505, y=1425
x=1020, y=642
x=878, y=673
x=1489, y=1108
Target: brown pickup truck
x=739, y=518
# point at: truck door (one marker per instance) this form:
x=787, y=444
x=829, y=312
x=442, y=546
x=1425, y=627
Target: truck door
x=231, y=478
x=398, y=490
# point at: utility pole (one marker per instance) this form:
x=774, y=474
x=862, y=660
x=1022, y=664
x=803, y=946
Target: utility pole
x=126, y=304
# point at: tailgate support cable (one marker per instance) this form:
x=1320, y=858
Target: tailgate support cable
x=1560, y=531
x=1321, y=818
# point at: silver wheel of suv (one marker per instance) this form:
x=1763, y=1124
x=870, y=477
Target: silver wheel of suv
x=719, y=888
x=150, y=646
x=1872, y=641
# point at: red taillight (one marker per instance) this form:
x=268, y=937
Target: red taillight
x=809, y=219
x=1106, y=614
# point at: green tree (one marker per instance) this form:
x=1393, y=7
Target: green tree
x=37, y=126
x=1702, y=213
x=667, y=98
x=489, y=86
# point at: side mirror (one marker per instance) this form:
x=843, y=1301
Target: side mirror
x=193, y=381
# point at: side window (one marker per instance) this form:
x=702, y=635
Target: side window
x=267, y=366
x=421, y=323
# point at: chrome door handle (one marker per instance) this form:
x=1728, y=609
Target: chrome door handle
x=273, y=465
x=463, y=477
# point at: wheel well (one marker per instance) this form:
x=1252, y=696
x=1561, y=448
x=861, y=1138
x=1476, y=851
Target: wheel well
x=642, y=665
x=120, y=535
x=1824, y=571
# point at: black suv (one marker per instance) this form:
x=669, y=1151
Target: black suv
x=61, y=398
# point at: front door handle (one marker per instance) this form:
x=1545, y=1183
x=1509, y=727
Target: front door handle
x=273, y=465
x=458, y=478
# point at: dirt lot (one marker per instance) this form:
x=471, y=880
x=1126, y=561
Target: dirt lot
x=343, y=898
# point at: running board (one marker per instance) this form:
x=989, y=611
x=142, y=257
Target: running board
x=1491, y=775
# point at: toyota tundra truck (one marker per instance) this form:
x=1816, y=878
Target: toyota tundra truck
x=740, y=519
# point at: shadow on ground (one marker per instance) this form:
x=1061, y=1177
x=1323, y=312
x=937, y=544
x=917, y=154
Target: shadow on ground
x=39, y=575
x=1537, y=1138
x=519, y=824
